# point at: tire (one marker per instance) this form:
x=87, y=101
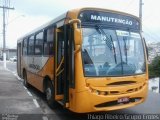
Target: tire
x=25, y=83
x=50, y=96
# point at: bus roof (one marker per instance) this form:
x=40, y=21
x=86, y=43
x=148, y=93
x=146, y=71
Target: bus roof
x=71, y=14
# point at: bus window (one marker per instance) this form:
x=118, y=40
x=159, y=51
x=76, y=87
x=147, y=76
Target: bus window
x=25, y=41
x=48, y=43
x=50, y=33
x=31, y=45
x=39, y=44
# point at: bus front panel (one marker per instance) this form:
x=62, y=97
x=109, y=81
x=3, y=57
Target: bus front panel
x=111, y=69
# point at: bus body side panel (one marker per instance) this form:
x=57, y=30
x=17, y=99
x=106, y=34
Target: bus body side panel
x=35, y=80
x=35, y=75
x=31, y=69
x=48, y=68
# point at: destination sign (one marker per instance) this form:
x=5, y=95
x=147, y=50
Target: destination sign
x=109, y=19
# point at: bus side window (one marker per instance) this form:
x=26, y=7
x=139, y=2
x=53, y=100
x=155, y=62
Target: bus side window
x=25, y=41
x=48, y=42
x=39, y=44
x=31, y=45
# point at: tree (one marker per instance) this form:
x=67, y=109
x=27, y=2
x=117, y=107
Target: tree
x=154, y=67
x=150, y=48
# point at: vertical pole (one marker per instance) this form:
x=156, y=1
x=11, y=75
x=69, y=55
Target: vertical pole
x=4, y=34
x=4, y=39
x=140, y=13
x=66, y=81
x=159, y=84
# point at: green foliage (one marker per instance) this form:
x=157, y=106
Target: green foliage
x=154, y=68
x=150, y=48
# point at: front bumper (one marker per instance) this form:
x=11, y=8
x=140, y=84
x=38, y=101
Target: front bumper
x=89, y=101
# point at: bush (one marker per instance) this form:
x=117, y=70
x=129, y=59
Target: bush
x=154, y=68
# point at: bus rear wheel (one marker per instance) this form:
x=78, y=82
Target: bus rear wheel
x=25, y=83
x=50, y=97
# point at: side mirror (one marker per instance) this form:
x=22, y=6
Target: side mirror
x=77, y=34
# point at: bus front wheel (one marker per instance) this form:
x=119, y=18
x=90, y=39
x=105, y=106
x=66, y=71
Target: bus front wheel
x=50, y=95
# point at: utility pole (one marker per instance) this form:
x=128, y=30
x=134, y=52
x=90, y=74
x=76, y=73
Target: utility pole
x=140, y=13
x=159, y=84
x=4, y=33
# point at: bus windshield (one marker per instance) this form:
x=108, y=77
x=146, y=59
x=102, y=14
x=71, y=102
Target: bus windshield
x=108, y=52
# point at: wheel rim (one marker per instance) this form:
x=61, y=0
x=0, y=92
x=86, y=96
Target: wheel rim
x=48, y=93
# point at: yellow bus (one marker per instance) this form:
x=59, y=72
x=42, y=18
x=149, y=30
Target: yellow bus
x=87, y=59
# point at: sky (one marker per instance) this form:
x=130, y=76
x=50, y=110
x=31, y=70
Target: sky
x=30, y=14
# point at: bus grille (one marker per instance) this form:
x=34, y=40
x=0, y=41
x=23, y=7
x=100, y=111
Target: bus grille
x=130, y=90
x=122, y=83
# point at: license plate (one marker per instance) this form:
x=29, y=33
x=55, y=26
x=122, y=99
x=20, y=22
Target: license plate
x=123, y=100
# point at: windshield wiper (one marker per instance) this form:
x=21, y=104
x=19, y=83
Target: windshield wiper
x=125, y=48
x=114, y=50
x=100, y=31
x=110, y=40
x=125, y=45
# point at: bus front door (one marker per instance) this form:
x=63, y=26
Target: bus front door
x=59, y=64
x=62, y=64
